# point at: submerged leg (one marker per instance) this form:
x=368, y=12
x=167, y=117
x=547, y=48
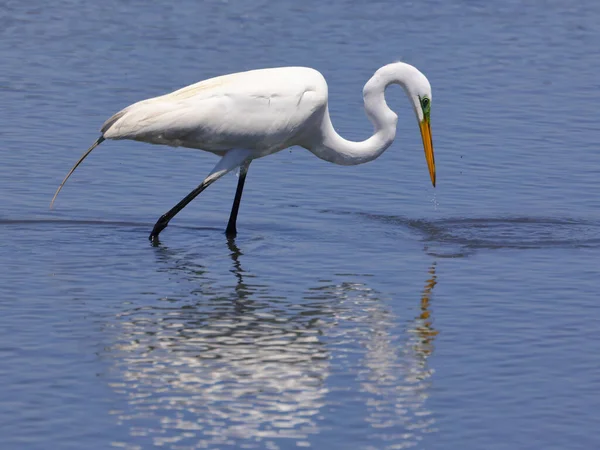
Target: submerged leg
x=231, y=230
x=231, y=160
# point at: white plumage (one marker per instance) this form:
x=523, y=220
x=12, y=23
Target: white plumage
x=244, y=116
x=261, y=110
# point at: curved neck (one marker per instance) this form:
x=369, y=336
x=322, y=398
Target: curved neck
x=338, y=150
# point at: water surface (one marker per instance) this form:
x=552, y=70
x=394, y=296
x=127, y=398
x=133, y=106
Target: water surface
x=358, y=307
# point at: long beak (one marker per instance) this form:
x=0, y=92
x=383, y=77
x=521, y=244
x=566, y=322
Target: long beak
x=89, y=150
x=428, y=146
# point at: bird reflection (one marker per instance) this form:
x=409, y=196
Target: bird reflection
x=225, y=364
x=423, y=327
x=397, y=375
x=393, y=374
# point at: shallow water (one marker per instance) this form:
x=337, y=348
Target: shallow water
x=358, y=307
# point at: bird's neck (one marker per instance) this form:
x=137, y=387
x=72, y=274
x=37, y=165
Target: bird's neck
x=336, y=149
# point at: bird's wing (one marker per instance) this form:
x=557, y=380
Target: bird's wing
x=152, y=110
x=165, y=119
x=251, y=109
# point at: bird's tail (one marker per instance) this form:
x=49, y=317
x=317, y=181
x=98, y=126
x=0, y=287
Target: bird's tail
x=89, y=150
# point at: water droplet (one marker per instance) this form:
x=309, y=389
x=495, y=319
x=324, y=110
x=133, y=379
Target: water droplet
x=435, y=202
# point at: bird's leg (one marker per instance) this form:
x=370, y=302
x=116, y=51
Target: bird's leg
x=231, y=230
x=231, y=160
x=164, y=220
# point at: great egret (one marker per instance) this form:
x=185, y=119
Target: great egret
x=244, y=116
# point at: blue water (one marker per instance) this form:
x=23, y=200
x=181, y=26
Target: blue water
x=358, y=308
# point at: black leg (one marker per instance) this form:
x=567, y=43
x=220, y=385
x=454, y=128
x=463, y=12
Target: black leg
x=231, y=230
x=162, y=223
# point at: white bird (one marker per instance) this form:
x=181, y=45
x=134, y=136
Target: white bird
x=245, y=116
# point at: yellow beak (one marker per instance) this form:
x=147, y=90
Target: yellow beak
x=428, y=146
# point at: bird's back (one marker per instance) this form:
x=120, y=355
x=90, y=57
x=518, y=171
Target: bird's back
x=262, y=110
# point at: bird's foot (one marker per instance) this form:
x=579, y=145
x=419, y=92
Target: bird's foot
x=160, y=225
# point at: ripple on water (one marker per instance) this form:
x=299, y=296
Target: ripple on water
x=456, y=237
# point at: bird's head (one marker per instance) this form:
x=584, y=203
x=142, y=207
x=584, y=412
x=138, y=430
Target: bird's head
x=419, y=92
x=417, y=88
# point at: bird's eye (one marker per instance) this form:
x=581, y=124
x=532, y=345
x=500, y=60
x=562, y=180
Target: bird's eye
x=425, y=102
